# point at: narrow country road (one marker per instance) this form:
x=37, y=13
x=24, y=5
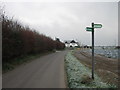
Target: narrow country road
x=44, y=72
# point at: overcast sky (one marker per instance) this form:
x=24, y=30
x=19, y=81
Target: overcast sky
x=68, y=20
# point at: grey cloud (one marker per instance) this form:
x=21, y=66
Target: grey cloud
x=68, y=20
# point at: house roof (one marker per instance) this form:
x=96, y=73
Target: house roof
x=70, y=41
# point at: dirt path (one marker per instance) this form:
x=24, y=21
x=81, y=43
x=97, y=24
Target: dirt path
x=106, y=68
x=44, y=72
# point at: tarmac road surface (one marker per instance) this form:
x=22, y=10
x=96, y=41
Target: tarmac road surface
x=44, y=72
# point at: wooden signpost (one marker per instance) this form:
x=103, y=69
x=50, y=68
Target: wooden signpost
x=91, y=29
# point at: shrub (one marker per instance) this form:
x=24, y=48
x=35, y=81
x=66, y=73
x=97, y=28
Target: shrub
x=18, y=40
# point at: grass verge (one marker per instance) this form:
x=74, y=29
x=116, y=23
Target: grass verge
x=79, y=76
x=106, y=68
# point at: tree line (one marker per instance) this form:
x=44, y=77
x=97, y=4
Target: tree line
x=19, y=40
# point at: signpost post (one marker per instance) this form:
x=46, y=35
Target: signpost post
x=92, y=50
x=91, y=29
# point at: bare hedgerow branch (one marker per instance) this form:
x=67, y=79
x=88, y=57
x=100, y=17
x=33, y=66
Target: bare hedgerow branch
x=18, y=40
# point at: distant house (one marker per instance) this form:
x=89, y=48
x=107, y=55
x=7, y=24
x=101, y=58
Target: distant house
x=71, y=43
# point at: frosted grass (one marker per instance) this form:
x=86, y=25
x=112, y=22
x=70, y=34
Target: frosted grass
x=75, y=71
